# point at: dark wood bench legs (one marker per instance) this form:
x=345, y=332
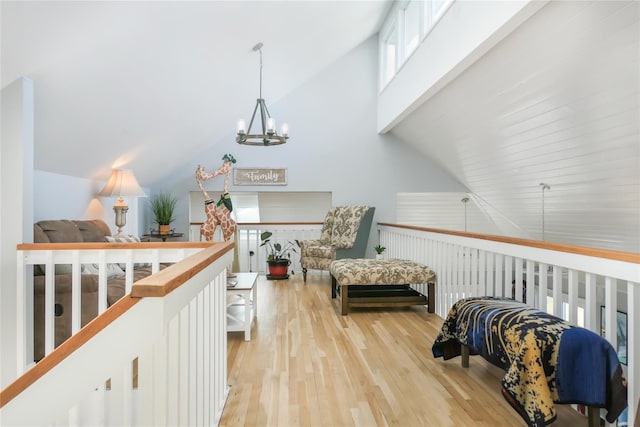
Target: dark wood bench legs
x=344, y=295
x=381, y=301
x=431, y=297
x=464, y=355
x=593, y=414
x=334, y=286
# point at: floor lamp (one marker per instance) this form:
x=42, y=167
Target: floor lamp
x=121, y=183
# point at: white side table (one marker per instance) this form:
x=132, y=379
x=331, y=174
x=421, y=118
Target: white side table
x=241, y=303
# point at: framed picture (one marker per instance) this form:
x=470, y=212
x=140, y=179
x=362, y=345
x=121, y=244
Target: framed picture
x=621, y=331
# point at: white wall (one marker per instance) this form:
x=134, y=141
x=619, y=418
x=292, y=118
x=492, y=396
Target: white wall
x=466, y=32
x=16, y=212
x=67, y=197
x=333, y=147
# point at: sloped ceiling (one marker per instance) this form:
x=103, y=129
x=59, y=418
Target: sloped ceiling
x=149, y=85
x=556, y=102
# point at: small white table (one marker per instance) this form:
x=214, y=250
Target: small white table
x=241, y=303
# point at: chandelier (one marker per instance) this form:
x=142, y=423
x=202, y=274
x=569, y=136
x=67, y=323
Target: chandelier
x=269, y=136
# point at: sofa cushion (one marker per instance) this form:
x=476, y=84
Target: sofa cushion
x=39, y=236
x=60, y=231
x=364, y=271
x=65, y=231
x=93, y=230
x=122, y=239
x=127, y=239
x=113, y=270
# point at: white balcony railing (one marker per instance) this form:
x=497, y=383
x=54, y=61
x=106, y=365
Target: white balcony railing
x=576, y=284
x=158, y=356
x=251, y=256
x=76, y=254
x=570, y=282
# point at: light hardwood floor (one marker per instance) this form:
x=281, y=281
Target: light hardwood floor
x=306, y=365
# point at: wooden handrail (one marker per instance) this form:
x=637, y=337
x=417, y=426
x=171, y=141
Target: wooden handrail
x=107, y=246
x=66, y=348
x=163, y=282
x=260, y=224
x=560, y=247
x=279, y=223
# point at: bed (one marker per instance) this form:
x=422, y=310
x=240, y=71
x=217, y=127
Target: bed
x=546, y=359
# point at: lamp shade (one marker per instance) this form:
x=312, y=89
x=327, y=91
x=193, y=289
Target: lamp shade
x=122, y=182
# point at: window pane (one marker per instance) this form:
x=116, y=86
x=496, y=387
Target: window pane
x=246, y=207
x=390, y=53
x=411, y=27
x=436, y=5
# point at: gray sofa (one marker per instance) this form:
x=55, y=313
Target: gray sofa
x=63, y=231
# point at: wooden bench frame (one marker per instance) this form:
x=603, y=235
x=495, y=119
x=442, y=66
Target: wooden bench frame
x=415, y=298
x=593, y=413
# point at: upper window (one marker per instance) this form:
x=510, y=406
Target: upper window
x=433, y=10
x=389, y=54
x=411, y=27
x=407, y=22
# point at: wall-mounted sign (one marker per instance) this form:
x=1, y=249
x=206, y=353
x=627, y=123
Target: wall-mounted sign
x=260, y=176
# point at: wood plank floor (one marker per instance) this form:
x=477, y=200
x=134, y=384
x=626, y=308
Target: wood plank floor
x=306, y=365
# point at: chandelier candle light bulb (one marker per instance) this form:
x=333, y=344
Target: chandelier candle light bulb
x=269, y=135
x=242, y=127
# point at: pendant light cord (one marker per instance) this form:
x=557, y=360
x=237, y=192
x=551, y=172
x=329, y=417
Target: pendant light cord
x=260, y=73
x=543, y=186
x=258, y=47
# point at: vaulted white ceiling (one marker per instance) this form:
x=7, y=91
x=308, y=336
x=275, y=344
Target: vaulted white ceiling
x=556, y=102
x=162, y=80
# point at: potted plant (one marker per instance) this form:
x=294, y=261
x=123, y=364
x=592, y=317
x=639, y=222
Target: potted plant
x=379, y=250
x=278, y=256
x=163, y=206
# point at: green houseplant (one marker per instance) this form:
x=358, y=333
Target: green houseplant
x=163, y=206
x=278, y=255
x=379, y=250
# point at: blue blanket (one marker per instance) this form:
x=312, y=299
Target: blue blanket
x=546, y=359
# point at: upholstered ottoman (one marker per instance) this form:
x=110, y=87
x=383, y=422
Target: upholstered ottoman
x=381, y=282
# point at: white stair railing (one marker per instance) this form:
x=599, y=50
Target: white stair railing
x=50, y=256
x=173, y=325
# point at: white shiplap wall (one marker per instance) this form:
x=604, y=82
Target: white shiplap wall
x=447, y=211
x=557, y=101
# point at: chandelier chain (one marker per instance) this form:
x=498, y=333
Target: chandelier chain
x=269, y=135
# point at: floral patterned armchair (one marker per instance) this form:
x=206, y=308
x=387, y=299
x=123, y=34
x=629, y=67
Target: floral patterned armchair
x=345, y=233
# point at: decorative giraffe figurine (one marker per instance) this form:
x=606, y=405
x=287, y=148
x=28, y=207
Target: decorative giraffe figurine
x=217, y=213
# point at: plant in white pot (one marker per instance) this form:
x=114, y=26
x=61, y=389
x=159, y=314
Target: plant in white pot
x=163, y=206
x=278, y=255
x=379, y=251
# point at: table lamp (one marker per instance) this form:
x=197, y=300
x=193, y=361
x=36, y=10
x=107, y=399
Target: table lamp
x=121, y=183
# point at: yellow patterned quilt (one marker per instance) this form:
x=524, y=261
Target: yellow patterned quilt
x=546, y=359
